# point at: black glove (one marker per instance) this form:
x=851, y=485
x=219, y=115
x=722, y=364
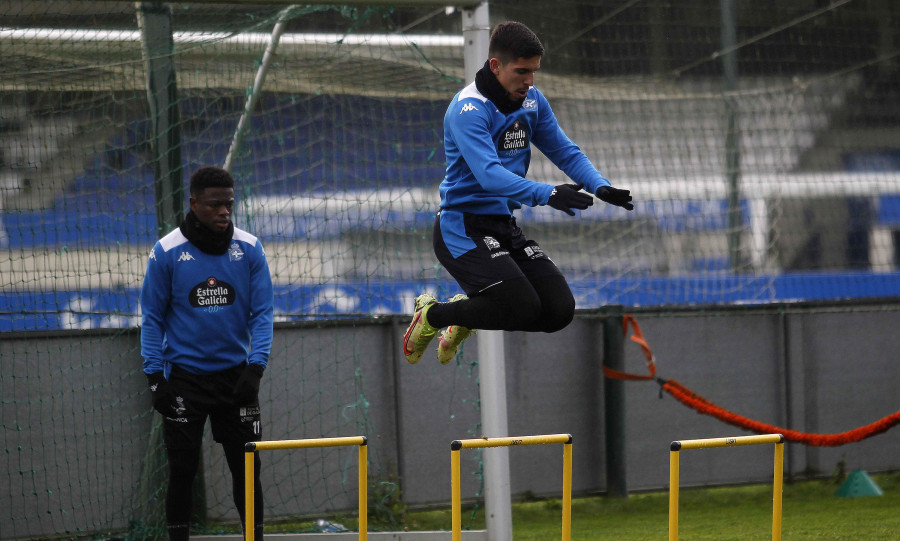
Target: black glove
x=163, y=394
x=566, y=197
x=246, y=390
x=615, y=196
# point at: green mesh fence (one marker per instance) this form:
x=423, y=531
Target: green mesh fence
x=763, y=151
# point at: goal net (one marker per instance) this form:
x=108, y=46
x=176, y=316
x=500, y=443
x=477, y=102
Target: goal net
x=765, y=167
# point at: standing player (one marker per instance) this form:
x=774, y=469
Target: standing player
x=488, y=130
x=207, y=304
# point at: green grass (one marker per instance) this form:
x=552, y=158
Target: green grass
x=811, y=511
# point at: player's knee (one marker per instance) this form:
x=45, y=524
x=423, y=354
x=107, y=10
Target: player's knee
x=183, y=463
x=525, y=312
x=557, y=314
x=557, y=322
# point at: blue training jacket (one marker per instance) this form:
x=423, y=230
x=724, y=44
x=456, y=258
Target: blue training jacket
x=488, y=154
x=206, y=313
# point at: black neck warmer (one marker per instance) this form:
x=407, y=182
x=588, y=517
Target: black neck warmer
x=486, y=83
x=203, y=237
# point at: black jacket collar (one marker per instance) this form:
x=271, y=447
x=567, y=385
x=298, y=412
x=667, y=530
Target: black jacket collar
x=486, y=83
x=205, y=239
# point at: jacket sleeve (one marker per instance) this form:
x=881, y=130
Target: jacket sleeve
x=562, y=151
x=471, y=131
x=262, y=308
x=155, y=293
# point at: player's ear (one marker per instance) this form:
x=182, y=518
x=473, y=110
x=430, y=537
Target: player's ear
x=495, y=66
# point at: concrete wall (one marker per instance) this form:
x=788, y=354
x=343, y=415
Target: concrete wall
x=76, y=414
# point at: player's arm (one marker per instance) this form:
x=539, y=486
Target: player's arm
x=471, y=132
x=155, y=293
x=154, y=304
x=568, y=156
x=562, y=151
x=262, y=300
x=246, y=389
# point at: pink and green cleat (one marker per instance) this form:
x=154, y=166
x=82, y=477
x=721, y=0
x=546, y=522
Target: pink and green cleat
x=452, y=337
x=420, y=333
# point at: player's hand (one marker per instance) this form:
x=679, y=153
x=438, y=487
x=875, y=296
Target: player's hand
x=163, y=394
x=246, y=390
x=566, y=197
x=615, y=196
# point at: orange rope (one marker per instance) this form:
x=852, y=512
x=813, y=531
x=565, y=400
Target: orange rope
x=637, y=338
x=704, y=406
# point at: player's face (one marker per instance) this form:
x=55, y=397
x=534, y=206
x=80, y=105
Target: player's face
x=516, y=76
x=213, y=207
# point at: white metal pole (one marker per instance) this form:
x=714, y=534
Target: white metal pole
x=492, y=376
x=258, y=83
x=491, y=357
x=477, y=35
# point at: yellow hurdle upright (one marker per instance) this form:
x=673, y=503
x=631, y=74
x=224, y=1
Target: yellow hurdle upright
x=778, y=474
x=252, y=447
x=457, y=445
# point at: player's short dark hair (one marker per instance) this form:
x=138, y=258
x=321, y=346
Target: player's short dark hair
x=210, y=176
x=512, y=40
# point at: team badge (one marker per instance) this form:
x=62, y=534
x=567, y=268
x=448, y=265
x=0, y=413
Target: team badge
x=234, y=252
x=179, y=406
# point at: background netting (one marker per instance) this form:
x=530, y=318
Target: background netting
x=775, y=177
x=748, y=185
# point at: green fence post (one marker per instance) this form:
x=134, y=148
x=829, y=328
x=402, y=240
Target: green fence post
x=614, y=402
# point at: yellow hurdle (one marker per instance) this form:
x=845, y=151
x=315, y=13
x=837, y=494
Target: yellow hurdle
x=252, y=447
x=778, y=474
x=457, y=445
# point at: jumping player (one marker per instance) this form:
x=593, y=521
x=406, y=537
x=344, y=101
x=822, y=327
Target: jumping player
x=509, y=281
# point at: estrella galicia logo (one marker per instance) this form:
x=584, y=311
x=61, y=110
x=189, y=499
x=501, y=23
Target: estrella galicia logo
x=514, y=138
x=212, y=293
x=234, y=252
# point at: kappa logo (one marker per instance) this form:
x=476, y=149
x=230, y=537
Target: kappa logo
x=186, y=256
x=152, y=254
x=529, y=104
x=468, y=107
